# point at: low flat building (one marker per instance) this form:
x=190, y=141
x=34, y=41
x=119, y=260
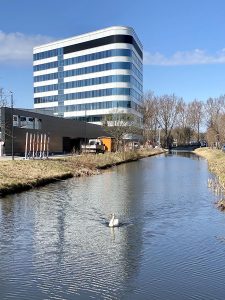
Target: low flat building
x=65, y=135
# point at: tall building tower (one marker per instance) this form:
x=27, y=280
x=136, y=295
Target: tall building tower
x=90, y=76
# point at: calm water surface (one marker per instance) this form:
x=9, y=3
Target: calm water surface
x=55, y=243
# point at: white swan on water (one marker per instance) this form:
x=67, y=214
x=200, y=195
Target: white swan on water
x=113, y=222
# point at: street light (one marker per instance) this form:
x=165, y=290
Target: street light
x=85, y=128
x=159, y=137
x=12, y=129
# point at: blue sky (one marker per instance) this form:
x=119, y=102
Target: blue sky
x=184, y=40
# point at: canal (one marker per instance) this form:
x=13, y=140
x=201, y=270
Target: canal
x=55, y=242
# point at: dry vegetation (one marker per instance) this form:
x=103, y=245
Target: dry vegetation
x=20, y=175
x=216, y=161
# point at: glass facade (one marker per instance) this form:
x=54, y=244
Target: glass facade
x=98, y=105
x=89, y=82
x=91, y=69
x=85, y=70
x=126, y=80
x=90, y=94
x=89, y=57
x=112, y=39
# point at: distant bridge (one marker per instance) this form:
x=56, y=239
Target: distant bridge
x=189, y=147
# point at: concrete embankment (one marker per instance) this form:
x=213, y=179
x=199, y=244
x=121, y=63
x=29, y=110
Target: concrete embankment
x=20, y=175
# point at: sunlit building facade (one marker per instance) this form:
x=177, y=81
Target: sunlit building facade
x=90, y=76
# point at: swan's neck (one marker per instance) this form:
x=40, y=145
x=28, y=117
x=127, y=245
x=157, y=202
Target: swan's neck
x=111, y=223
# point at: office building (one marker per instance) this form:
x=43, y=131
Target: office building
x=90, y=76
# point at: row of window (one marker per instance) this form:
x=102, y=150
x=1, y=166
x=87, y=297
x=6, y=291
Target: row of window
x=88, y=82
x=135, y=95
x=49, y=65
x=47, y=54
x=82, y=71
x=89, y=57
x=127, y=39
x=82, y=83
x=136, y=71
x=90, y=94
x=98, y=68
x=26, y=122
x=98, y=105
x=93, y=118
x=107, y=40
x=98, y=55
x=83, y=95
x=46, y=77
x=91, y=69
x=137, y=60
x=46, y=88
x=136, y=83
x=100, y=118
x=89, y=118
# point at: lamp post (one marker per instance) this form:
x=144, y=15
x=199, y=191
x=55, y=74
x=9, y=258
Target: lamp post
x=12, y=129
x=159, y=137
x=85, y=137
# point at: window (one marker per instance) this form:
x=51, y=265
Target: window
x=83, y=95
x=47, y=54
x=100, y=105
x=15, y=120
x=87, y=70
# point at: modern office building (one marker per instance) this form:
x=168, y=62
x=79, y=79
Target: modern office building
x=90, y=76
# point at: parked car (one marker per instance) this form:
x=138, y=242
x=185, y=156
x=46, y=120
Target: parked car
x=93, y=146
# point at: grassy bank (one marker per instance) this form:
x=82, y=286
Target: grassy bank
x=216, y=162
x=20, y=175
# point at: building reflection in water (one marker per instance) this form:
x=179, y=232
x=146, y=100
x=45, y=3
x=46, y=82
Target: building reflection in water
x=55, y=243
x=73, y=247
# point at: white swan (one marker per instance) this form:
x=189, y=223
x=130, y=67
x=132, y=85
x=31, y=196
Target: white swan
x=113, y=222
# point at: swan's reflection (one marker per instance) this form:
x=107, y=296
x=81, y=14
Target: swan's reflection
x=112, y=230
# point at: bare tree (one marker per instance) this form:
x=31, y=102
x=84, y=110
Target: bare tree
x=150, y=122
x=3, y=98
x=169, y=107
x=182, y=132
x=214, y=109
x=221, y=128
x=182, y=117
x=119, y=124
x=211, y=137
x=195, y=116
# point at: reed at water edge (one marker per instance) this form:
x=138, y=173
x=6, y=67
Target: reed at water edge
x=216, y=162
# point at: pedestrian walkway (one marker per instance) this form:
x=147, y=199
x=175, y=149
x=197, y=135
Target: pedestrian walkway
x=4, y=157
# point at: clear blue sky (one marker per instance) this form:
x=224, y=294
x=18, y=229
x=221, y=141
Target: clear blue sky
x=184, y=40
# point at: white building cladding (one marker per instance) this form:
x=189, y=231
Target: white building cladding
x=89, y=76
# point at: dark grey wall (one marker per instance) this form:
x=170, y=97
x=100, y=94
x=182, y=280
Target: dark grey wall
x=57, y=128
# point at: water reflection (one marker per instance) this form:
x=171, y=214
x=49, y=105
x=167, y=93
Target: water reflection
x=183, y=153
x=55, y=243
x=72, y=248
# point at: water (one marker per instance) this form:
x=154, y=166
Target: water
x=55, y=243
